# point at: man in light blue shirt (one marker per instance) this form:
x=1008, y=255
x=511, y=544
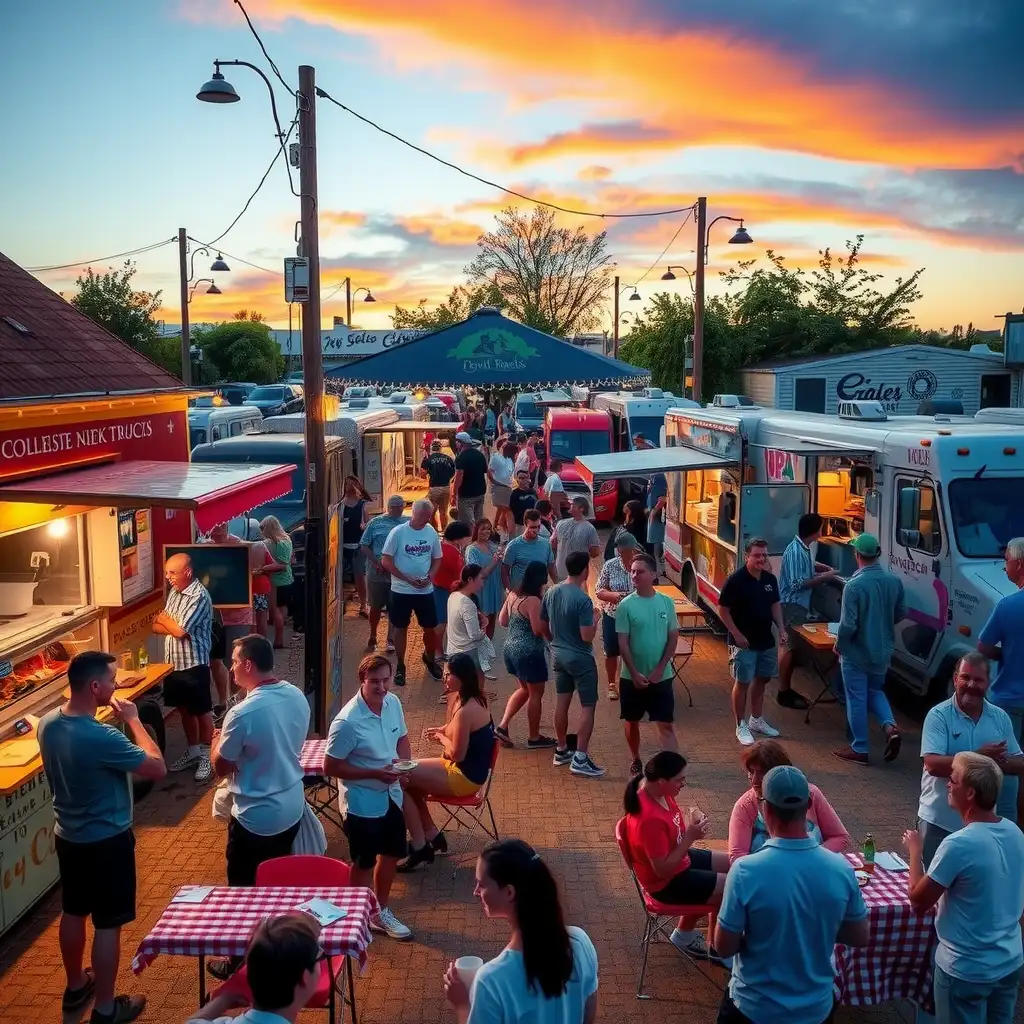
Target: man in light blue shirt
x=967, y=721
x=792, y=895
x=1002, y=640
x=378, y=579
x=530, y=547
x=977, y=879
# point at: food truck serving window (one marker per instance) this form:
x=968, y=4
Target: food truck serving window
x=712, y=502
x=842, y=485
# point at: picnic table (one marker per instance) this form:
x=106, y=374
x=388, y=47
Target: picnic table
x=820, y=644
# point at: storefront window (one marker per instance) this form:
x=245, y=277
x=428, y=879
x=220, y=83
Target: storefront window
x=42, y=578
x=712, y=502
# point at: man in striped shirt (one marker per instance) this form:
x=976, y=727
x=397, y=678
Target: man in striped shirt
x=799, y=573
x=186, y=624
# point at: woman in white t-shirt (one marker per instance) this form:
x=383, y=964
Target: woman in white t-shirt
x=547, y=973
x=466, y=632
x=499, y=470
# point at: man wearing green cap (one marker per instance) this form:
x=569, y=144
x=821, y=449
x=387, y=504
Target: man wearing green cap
x=873, y=602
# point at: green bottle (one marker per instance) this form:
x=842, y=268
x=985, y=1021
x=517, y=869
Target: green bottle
x=143, y=661
x=869, y=854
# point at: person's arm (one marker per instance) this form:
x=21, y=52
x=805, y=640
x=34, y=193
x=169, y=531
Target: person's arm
x=219, y=1005
x=471, y=621
x=934, y=741
x=741, y=825
x=590, y=1009
x=455, y=739
x=834, y=836
x=340, y=744
x=506, y=566
x=594, y=550
x=159, y=624
x=456, y=484
x=992, y=635
x=923, y=890
x=854, y=933
x=664, y=855
x=435, y=564
x=589, y=618
x=849, y=615
x=779, y=624
x=227, y=744
x=537, y=624
x=738, y=638
x=503, y=615
x=672, y=631
x=545, y=619
x=900, y=611
x=371, y=558
x=139, y=755
x=639, y=679
x=167, y=625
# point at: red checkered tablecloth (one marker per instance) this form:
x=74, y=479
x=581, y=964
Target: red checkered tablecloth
x=897, y=963
x=312, y=755
x=222, y=923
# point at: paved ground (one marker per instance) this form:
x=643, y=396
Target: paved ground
x=569, y=820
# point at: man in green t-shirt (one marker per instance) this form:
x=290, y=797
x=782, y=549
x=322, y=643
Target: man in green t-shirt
x=646, y=626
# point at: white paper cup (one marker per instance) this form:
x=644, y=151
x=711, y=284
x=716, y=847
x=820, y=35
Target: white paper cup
x=466, y=967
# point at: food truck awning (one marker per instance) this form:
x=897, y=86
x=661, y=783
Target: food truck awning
x=809, y=446
x=413, y=426
x=212, y=492
x=646, y=463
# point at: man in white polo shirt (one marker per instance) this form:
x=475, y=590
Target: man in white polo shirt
x=368, y=735
x=967, y=721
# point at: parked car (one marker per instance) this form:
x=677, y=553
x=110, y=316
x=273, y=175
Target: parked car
x=275, y=399
x=236, y=392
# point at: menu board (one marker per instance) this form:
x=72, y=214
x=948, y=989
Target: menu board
x=135, y=543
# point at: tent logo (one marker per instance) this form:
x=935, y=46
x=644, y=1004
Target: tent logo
x=492, y=350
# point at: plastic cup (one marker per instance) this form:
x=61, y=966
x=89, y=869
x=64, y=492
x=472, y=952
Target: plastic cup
x=466, y=967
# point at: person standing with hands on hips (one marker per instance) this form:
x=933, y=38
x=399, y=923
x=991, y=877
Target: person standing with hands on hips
x=88, y=765
x=748, y=606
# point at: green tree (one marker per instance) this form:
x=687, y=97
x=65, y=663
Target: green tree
x=240, y=350
x=551, y=278
x=462, y=301
x=249, y=315
x=112, y=302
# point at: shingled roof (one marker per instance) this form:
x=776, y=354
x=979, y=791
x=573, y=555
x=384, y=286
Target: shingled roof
x=48, y=348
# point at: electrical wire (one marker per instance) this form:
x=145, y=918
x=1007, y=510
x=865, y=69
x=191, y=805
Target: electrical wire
x=270, y=60
x=237, y=259
x=493, y=184
x=671, y=242
x=102, y=259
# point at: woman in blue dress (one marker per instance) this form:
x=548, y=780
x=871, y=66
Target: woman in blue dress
x=487, y=554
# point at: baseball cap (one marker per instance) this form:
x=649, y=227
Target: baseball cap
x=867, y=545
x=786, y=787
x=396, y=501
x=463, y=437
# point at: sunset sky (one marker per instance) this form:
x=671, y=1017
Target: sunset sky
x=899, y=119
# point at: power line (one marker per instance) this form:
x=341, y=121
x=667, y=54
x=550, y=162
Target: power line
x=102, y=259
x=671, y=241
x=270, y=60
x=237, y=259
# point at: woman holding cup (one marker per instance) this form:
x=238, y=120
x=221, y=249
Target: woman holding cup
x=548, y=971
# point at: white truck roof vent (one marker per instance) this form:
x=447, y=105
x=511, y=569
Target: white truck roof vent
x=653, y=393
x=869, y=411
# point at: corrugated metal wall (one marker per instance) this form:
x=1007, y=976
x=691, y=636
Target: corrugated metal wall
x=760, y=387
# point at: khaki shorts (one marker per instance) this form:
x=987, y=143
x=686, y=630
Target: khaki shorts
x=439, y=498
x=793, y=615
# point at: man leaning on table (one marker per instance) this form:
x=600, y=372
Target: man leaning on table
x=967, y=721
x=88, y=766
x=783, y=911
x=977, y=879
x=365, y=739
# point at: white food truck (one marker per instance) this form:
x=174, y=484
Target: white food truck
x=943, y=494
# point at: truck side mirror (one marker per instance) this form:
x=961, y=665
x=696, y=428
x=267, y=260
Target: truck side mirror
x=909, y=517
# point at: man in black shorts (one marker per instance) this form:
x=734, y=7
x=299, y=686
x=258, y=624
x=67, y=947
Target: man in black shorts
x=186, y=624
x=365, y=739
x=88, y=766
x=439, y=469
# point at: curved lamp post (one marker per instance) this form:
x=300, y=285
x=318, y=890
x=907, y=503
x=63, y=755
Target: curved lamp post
x=635, y=297
x=186, y=273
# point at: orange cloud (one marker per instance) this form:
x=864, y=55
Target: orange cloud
x=440, y=229
x=594, y=172
x=686, y=83
x=342, y=218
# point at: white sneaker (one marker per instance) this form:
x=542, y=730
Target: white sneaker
x=387, y=923
x=743, y=734
x=204, y=770
x=185, y=761
x=761, y=726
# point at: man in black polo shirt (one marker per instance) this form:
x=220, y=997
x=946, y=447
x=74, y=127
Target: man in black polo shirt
x=749, y=606
x=440, y=468
x=522, y=499
x=470, y=483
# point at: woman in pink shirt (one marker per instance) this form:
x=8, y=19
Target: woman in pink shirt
x=747, y=831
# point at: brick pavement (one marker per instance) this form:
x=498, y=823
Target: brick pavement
x=568, y=819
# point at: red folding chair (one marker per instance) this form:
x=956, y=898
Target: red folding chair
x=658, y=916
x=468, y=811
x=306, y=870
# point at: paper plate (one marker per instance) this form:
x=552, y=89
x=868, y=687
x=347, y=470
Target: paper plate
x=404, y=766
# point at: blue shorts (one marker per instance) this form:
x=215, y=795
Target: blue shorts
x=609, y=636
x=531, y=668
x=441, y=604
x=747, y=666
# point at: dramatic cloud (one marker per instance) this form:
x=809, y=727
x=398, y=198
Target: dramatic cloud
x=594, y=138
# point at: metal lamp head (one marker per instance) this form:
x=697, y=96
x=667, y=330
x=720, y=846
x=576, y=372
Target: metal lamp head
x=218, y=90
x=219, y=264
x=635, y=297
x=369, y=296
x=668, y=276
x=213, y=290
x=741, y=237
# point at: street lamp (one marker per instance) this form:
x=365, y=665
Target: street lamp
x=212, y=290
x=635, y=297
x=350, y=295
x=186, y=272
x=217, y=90
x=740, y=237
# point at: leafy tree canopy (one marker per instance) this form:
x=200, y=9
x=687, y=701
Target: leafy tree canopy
x=240, y=350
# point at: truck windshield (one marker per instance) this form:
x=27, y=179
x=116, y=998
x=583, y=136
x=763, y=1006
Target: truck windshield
x=987, y=514
x=570, y=444
x=526, y=409
x=649, y=426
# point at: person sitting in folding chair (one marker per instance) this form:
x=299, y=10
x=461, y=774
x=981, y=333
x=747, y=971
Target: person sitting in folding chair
x=467, y=744
x=661, y=836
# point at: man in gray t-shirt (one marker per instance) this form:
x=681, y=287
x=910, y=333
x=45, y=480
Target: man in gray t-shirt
x=575, y=534
x=571, y=621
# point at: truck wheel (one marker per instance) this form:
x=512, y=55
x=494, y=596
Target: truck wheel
x=689, y=587
x=153, y=720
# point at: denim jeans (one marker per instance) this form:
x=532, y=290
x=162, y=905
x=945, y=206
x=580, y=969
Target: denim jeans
x=973, y=1002
x=1006, y=806
x=864, y=694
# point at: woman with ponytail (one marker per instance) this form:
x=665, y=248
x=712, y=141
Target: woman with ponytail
x=548, y=972
x=661, y=838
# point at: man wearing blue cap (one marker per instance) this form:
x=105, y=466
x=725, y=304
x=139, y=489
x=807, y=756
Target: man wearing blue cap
x=873, y=602
x=783, y=911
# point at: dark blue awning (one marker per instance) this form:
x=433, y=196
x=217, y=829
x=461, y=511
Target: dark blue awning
x=488, y=350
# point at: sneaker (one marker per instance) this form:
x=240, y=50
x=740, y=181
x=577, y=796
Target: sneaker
x=541, y=741
x=583, y=764
x=503, y=737
x=893, y=741
x=424, y=855
x=386, y=922
x=562, y=757
x=432, y=666
x=743, y=734
x=690, y=944
x=76, y=998
x=759, y=725
x=636, y=767
x=125, y=1008
x=400, y=676
x=389, y=647
x=851, y=755
x=185, y=761
x=204, y=770
x=489, y=675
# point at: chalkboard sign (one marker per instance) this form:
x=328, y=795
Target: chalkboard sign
x=222, y=568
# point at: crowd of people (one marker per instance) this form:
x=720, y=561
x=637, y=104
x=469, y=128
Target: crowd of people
x=779, y=885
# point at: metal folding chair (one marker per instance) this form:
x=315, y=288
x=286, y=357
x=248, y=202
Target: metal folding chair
x=468, y=812
x=683, y=653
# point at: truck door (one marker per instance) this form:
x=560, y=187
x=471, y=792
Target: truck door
x=771, y=512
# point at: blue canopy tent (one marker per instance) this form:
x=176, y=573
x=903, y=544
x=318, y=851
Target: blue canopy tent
x=488, y=350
